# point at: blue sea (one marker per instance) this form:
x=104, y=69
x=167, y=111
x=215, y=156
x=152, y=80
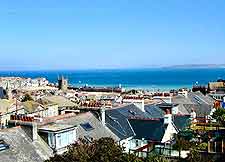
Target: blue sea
x=151, y=79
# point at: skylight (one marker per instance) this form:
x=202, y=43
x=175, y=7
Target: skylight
x=132, y=112
x=87, y=126
x=112, y=118
x=3, y=145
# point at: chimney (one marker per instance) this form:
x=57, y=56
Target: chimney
x=140, y=104
x=168, y=117
x=102, y=110
x=193, y=115
x=186, y=94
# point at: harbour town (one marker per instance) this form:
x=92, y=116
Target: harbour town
x=40, y=119
x=112, y=81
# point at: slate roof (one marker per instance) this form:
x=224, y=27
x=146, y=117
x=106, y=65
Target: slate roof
x=98, y=130
x=131, y=111
x=181, y=121
x=195, y=100
x=199, y=98
x=179, y=99
x=119, y=124
x=182, y=110
x=154, y=111
x=201, y=110
x=21, y=148
x=152, y=130
x=117, y=119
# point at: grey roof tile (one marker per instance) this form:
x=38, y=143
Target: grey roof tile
x=118, y=124
x=181, y=121
x=98, y=131
x=21, y=148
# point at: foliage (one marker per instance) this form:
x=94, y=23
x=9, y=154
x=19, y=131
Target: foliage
x=102, y=150
x=183, y=140
x=182, y=144
x=131, y=158
x=202, y=146
x=219, y=115
x=27, y=97
x=106, y=150
x=187, y=134
x=194, y=156
x=155, y=158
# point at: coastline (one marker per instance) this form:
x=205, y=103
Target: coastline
x=145, y=79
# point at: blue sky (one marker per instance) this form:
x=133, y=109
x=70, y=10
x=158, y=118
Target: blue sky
x=86, y=34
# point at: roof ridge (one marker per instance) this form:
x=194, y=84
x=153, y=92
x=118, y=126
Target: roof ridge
x=10, y=129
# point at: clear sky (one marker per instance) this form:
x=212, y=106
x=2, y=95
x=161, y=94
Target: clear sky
x=85, y=34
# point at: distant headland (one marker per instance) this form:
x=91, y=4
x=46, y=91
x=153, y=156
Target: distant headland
x=194, y=66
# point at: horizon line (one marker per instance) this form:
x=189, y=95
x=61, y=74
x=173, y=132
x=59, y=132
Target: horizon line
x=185, y=66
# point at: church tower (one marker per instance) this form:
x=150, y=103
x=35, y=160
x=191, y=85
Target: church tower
x=63, y=83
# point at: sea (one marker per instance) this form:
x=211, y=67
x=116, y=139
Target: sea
x=148, y=79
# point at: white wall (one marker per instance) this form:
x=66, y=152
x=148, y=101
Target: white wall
x=126, y=144
x=64, y=139
x=169, y=133
x=61, y=140
x=175, y=110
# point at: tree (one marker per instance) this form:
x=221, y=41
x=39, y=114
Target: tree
x=219, y=115
x=27, y=97
x=183, y=141
x=102, y=150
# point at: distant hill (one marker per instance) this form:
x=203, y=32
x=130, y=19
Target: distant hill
x=194, y=66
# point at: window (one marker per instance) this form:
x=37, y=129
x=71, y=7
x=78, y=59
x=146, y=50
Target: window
x=3, y=145
x=66, y=138
x=59, y=140
x=136, y=143
x=87, y=126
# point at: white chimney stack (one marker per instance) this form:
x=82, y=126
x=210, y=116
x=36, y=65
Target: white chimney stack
x=140, y=104
x=102, y=110
x=168, y=117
